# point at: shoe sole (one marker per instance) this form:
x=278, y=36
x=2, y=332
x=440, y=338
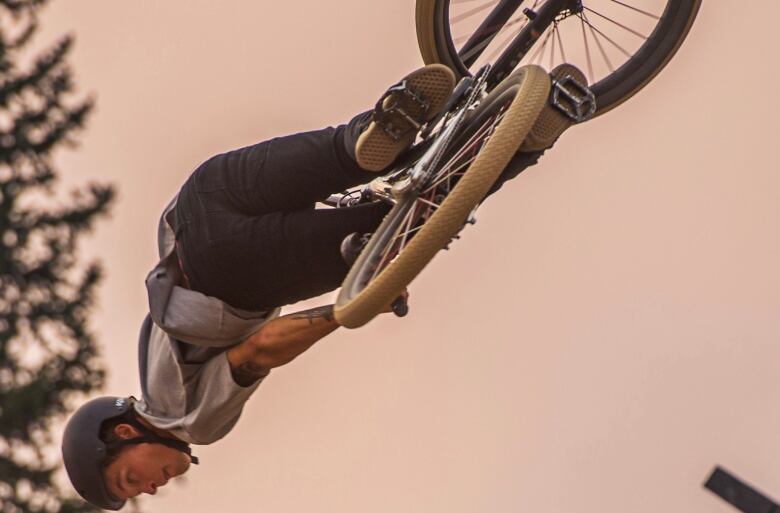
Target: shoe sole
x=552, y=122
x=375, y=149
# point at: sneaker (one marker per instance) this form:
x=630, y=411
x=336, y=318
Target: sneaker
x=400, y=114
x=571, y=102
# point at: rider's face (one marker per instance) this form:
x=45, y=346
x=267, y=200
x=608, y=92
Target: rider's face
x=144, y=468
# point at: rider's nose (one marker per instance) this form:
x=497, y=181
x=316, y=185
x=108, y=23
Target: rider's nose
x=151, y=488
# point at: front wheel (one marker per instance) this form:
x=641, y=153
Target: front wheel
x=621, y=45
x=423, y=222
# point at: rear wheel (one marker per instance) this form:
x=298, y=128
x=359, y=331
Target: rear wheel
x=425, y=221
x=621, y=45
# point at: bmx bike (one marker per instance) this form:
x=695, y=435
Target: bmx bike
x=437, y=186
x=621, y=44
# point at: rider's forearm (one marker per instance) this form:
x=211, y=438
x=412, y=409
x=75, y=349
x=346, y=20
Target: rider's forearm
x=284, y=338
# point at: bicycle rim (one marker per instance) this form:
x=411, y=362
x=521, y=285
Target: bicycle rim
x=620, y=44
x=421, y=224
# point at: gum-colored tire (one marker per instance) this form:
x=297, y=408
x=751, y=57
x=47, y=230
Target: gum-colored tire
x=357, y=305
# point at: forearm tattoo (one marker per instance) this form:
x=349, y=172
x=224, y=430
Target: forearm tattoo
x=322, y=312
x=247, y=373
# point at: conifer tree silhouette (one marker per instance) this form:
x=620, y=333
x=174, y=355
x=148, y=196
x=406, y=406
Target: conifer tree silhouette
x=48, y=357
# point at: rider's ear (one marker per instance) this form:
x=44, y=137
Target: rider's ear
x=126, y=431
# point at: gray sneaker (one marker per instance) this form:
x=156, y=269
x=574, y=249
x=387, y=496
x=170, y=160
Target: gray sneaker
x=400, y=113
x=571, y=102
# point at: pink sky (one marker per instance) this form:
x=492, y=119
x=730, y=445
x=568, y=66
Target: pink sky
x=604, y=335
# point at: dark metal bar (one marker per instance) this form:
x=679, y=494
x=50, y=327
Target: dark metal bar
x=540, y=20
x=488, y=30
x=740, y=495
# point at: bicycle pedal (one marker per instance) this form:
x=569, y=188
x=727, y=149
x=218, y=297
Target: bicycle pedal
x=400, y=113
x=570, y=102
x=575, y=100
x=391, y=117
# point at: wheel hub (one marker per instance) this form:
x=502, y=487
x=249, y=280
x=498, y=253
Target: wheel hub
x=572, y=8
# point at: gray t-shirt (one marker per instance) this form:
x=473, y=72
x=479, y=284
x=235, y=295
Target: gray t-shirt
x=186, y=383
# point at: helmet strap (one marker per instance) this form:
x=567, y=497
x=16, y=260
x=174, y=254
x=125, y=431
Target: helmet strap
x=150, y=437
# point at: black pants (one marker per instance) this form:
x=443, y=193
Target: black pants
x=247, y=230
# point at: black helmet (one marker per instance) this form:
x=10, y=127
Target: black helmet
x=84, y=452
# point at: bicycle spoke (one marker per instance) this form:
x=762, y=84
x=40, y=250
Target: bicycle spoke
x=479, y=48
x=429, y=203
x=651, y=15
x=602, y=34
x=454, y=172
x=587, y=51
x=416, y=228
x=560, y=45
x=448, y=172
x=427, y=197
x=408, y=227
x=539, y=54
x=500, y=47
x=491, y=25
x=598, y=43
x=601, y=25
x=445, y=173
x=472, y=12
x=617, y=23
x=509, y=24
x=388, y=250
x=400, y=237
x=464, y=149
x=552, y=46
x=474, y=41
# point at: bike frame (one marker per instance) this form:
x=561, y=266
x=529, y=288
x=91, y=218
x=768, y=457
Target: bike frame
x=539, y=21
